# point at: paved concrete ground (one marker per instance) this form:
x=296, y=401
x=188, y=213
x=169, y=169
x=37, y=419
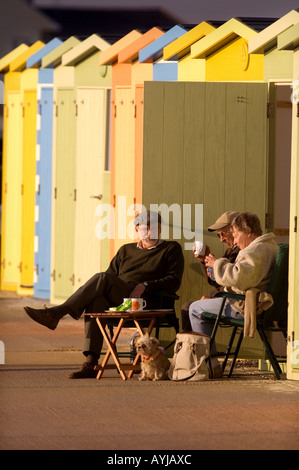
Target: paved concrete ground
x=41, y=408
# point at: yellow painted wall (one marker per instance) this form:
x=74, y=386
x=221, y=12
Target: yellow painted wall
x=232, y=63
x=191, y=69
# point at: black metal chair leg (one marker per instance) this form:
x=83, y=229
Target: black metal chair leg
x=229, y=348
x=270, y=353
x=236, y=353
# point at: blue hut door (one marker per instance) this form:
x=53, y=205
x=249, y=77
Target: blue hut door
x=43, y=188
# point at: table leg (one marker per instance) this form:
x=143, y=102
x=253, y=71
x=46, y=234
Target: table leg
x=111, y=350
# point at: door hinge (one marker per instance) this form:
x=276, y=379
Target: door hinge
x=53, y=275
x=268, y=221
x=297, y=109
x=72, y=279
x=270, y=110
x=291, y=338
x=295, y=224
x=55, y=193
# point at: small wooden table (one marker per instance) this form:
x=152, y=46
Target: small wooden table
x=123, y=317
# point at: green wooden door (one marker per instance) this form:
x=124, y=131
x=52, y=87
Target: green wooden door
x=90, y=161
x=205, y=143
x=65, y=195
x=12, y=198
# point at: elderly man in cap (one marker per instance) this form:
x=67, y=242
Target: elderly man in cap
x=222, y=226
x=137, y=270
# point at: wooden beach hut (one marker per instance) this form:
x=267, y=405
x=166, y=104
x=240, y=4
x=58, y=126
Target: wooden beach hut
x=11, y=174
x=162, y=70
x=288, y=40
x=128, y=76
x=279, y=75
x=180, y=50
x=62, y=153
x=225, y=51
x=92, y=89
x=30, y=78
x=44, y=164
x=20, y=120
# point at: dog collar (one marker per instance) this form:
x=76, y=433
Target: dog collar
x=146, y=358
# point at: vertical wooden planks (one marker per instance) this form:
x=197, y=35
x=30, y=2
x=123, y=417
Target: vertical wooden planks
x=124, y=178
x=90, y=158
x=256, y=151
x=65, y=194
x=28, y=189
x=44, y=195
x=12, y=201
x=235, y=146
x=153, y=129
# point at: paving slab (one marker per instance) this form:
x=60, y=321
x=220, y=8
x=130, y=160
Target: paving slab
x=42, y=409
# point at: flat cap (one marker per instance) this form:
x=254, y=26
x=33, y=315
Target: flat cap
x=224, y=220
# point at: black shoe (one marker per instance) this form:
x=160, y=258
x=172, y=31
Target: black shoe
x=42, y=316
x=86, y=372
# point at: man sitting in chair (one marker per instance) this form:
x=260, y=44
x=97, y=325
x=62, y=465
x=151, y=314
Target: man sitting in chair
x=137, y=270
x=223, y=228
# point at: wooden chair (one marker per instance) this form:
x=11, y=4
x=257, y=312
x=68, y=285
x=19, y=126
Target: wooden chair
x=273, y=319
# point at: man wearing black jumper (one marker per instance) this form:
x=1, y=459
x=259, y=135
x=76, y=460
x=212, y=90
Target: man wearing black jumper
x=137, y=270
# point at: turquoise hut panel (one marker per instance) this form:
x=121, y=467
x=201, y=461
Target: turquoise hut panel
x=42, y=256
x=165, y=72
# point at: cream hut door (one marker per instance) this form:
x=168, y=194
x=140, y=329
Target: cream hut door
x=90, y=165
x=63, y=240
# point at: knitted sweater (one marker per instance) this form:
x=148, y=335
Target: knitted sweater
x=161, y=267
x=252, y=269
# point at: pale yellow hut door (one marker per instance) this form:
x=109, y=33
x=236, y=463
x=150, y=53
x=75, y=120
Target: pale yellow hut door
x=124, y=177
x=64, y=194
x=28, y=190
x=12, y=198
x=90, y=161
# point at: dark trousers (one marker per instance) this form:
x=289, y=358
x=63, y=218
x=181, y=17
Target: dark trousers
x=102, y=291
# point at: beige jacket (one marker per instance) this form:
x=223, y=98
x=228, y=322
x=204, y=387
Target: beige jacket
x=249, y=275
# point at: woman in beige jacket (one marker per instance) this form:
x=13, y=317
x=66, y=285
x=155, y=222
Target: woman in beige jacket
x=251, y=272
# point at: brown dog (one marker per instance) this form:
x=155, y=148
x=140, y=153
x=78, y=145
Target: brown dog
x=154, y=363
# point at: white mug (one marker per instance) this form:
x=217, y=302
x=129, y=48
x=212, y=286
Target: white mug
x=138, y=304
x=199, y=248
